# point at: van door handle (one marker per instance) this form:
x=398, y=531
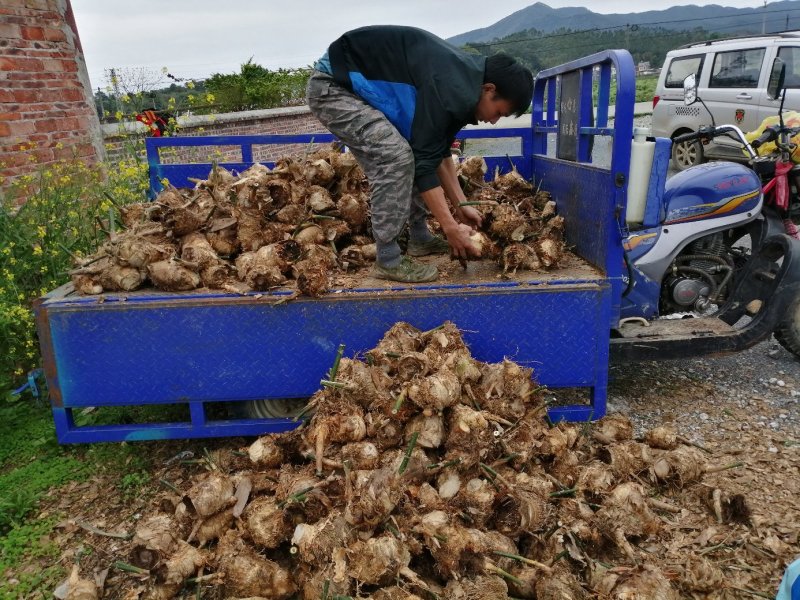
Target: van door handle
x=744, y=96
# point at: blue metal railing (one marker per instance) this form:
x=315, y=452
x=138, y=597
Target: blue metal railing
x=591, y=198
x=180, y=175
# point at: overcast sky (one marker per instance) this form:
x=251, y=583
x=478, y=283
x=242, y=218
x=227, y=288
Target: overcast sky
x=195, y=38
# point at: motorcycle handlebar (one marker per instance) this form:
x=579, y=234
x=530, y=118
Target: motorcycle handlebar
x=770, y=135
x=705, y=133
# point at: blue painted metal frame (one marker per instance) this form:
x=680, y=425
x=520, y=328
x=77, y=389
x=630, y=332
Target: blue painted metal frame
x=223, y=347
x=591, y=199
x=160, y=348
x=179, y=175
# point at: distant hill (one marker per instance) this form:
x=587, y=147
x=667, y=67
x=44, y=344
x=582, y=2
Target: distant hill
x=728, y=21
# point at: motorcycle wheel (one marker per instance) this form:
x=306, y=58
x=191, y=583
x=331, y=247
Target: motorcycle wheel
x=687, y=154
x=283, y=408
x=788, y=331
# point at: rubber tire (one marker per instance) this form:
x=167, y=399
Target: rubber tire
x=687, y=154
x=283, y=408
x=788, y=331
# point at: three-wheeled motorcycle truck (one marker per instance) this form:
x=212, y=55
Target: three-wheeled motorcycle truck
x=201, y=347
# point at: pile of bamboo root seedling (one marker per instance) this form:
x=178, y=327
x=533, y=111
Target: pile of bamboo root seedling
x=424, y=473
x=294, y=226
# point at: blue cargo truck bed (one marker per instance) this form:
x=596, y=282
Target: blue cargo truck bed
x=195, y=348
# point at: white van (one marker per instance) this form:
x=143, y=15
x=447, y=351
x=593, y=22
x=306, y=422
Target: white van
x=732, y=77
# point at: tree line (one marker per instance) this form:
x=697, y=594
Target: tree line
x=255, y=87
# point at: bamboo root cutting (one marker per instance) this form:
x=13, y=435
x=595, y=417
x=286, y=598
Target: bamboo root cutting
x=398, y=487
x=298, y=226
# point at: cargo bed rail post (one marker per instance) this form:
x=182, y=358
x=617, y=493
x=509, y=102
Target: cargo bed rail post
x=570, y=115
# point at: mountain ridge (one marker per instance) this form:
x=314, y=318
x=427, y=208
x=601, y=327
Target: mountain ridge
x=727, y=20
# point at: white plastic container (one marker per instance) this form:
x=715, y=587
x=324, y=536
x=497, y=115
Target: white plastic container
x=639, y=180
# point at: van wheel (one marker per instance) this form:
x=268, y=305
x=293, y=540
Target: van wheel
x=687, y=154
x=282, y=408
x=788, y=331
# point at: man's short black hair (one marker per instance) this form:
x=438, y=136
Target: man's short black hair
x=513, y=81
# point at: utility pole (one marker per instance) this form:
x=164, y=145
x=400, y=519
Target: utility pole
x=115, y=88
x=764, y=19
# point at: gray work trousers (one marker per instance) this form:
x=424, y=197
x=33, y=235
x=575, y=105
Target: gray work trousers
x=382, y=152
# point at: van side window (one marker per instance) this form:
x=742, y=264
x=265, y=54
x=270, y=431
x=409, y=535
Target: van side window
x=791, y=56
x=680, y=68
x=737, y=69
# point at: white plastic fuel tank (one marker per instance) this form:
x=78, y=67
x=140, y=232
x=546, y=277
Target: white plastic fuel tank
x=639, y=179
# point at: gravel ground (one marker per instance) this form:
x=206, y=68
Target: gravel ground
x=753, y=391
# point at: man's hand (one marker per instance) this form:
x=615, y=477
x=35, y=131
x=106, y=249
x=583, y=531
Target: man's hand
x=460, y=244
x=469, y=216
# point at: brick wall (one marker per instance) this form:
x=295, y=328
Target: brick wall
x=46, y=107
x=297, y=119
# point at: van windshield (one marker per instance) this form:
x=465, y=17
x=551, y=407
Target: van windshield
x=681, y=68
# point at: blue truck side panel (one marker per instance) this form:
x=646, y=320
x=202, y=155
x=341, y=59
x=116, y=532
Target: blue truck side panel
x=193, y=348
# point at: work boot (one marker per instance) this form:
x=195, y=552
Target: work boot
x=408, y=271
x=435, y=245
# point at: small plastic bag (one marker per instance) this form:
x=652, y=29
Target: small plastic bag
x=790, y=586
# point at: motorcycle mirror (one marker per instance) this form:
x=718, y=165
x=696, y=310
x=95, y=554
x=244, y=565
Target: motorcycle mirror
x=777, y=77
x=690, y=90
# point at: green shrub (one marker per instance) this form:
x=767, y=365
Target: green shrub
x=64, y=215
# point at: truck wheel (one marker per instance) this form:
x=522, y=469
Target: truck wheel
x=687, y=154
x=788, y=331
x=282, y=408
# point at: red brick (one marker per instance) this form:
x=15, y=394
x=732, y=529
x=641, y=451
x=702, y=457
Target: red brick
x=26, y=96
x=72, y=95
x=22, y=128
x=69, y=124
x=21, y=65
x=54, y=35
x=5, y=129
x=32, y=33
x=9, y=30
x=46, y=125
x=10, y=116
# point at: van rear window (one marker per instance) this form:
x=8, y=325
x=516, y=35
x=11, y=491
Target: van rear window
x=680, y=68
x=737, y=69
x=791, y=56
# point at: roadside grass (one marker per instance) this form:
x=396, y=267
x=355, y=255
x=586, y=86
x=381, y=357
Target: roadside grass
x=32, y=464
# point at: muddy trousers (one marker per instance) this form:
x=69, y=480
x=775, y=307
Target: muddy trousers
x=384, y=155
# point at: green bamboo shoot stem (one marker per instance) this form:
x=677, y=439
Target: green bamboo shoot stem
x=335, y=384
x=298, y=497
x=123, y=566
x=479, y=203
x=303, y=412
x=563, y=493
x=505, y=575
x=398, y=403
x=335, y=368
x=409, y=450
x=166, y=483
